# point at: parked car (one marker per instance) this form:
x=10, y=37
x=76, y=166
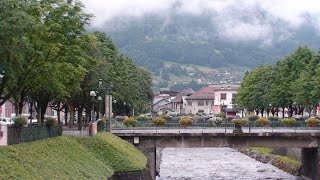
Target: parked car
x=6, y=121
x=33, y=119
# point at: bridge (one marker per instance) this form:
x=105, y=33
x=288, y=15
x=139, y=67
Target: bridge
x=149, y=138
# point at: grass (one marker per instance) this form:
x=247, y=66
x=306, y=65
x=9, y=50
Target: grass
x=70, y=158
x=285, y=159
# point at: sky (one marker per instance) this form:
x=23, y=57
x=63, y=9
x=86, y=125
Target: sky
x=227, y=14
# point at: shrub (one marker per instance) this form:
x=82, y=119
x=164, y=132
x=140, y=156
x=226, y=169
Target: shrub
x=130, y=122
x=261, y=122
x=288, y=122
x=51, y=122
x=273, y=118
x=221, y=115
x=167, y=117
x=20, y=121
x=144, y=118
x=121, y=118
x=185, y=121
x=240, y=122
x=159, y=121
x=253, y=117
x=312, y=122
x=215, y=121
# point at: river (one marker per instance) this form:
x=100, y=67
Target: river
x=214, y=163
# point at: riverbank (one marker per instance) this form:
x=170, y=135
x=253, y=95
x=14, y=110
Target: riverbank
x=66, y=157
x=265, y=155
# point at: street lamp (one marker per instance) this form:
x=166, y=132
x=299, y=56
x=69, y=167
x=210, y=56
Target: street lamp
x=2, y=72
x=92, y=94
x=124, y=108
x=114, y=102
x=99, y=99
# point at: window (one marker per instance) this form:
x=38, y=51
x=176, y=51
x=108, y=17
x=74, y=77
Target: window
x=200, y=103
x=223, y=108
x=234, y=95
x=189, y=103
x=207, y=103
x=223, y=96
x=200, y=111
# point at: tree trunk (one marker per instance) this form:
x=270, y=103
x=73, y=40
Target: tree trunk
x=283, y=109
x=80, y=118
x=66, y=115
x=71, y=118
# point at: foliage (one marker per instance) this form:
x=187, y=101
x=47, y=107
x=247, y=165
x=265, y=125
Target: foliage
x=262, y=122
x=57, y=156
x=159, y=121
x=74, y=158
x=253, y=117
x=185, y=121
x=118, y=154
x=240, y=122
x=215, y=121
x=273, y=118
x=312, y=122
x=221, y=115
x=20, y=121
x=291, y=84
x=130, y=122
x=144, y=118
x=288, y=122
x=51, y=122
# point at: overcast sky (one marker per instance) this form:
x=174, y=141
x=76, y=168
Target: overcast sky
x=291, y=11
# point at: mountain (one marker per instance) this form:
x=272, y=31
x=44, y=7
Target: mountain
x=236, y=39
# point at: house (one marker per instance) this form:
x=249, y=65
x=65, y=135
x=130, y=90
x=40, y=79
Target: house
x=179, y=103
x=213, y=99
x=224, y=99
x=201, y=101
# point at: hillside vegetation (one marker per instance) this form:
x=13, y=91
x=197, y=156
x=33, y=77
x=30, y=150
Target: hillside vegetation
x=70, y=158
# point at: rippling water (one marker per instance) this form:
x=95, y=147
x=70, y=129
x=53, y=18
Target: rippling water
x=214, y=163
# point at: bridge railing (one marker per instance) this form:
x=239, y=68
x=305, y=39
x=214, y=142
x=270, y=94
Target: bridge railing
x=225, y=127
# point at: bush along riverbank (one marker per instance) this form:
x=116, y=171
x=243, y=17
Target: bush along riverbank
x=98, y=157
x=265, y=155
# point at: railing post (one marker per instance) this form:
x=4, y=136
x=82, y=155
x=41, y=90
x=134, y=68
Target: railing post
x=225, y=127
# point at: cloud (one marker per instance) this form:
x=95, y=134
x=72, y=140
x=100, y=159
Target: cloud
x=240, y=20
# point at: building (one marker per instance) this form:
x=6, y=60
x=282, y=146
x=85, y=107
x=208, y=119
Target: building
x=179, y=103
x=212, y=100
x=201, y=101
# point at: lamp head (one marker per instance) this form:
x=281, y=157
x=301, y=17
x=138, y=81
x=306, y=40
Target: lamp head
x=93, y=93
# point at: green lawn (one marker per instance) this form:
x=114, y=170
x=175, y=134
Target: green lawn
x=70, y=158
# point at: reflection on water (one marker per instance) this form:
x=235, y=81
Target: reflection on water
x=214, y=163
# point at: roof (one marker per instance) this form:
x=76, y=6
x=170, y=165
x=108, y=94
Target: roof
x=203, y=94
x=179, y=96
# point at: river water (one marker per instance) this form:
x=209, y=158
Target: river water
x=214, y=163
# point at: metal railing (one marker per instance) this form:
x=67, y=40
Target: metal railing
x=32, y=133
x=225, y=127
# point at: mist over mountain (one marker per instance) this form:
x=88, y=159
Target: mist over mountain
x=210, y=33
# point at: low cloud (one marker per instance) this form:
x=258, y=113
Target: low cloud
x=238, y=20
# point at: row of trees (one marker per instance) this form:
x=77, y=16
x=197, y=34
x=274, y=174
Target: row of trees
x=293, y=84
x=49, y=59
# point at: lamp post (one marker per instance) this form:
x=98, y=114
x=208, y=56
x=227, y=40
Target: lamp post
x=124, y=108
x=114, y=102
x=92, y=94
x=99, y=99
x=2, y=73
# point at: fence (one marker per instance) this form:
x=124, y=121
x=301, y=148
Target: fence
x=224, y=127
x=32, y=133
